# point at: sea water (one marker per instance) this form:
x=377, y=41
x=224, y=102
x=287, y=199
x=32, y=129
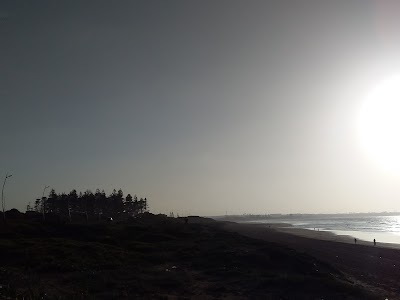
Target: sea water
x=383, y=228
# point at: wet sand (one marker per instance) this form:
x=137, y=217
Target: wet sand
x=376, y=267
x=328, y=235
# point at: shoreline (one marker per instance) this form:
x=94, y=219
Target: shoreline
x=375, y=267
x=334, y=236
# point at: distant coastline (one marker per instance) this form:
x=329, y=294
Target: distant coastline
x=249, y=217
x=383, y=227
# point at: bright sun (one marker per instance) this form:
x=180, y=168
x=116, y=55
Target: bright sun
x=379, y=124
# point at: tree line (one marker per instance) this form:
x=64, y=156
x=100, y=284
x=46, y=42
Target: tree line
x=90, y=204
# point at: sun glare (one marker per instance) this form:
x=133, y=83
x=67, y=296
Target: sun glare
x=379, y=124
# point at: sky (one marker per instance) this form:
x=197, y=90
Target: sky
x=204, y=107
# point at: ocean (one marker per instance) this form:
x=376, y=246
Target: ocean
x=383, y=228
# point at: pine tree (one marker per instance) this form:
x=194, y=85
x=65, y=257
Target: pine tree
x=129, y=204
x=51, y=203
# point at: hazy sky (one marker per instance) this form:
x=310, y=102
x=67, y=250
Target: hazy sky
x=201, y=106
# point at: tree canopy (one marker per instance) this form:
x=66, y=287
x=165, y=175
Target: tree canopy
x=91, y=204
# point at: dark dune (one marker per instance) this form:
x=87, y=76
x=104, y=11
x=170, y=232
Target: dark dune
x=377, y=267
x=162, y=258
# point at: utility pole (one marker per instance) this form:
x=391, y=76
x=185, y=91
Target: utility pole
x=44, y=202
x=3, y=202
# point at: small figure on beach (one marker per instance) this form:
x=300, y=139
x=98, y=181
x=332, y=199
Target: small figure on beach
x=374, y=242
x=355, y=241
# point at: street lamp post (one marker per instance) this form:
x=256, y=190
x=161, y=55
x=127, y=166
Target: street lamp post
x=44, y=202
x=3, y=203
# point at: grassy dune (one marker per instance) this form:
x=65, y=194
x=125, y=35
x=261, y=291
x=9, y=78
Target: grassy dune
x=158, y=258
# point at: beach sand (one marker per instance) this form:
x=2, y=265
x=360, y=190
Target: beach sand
x=330, y=236
x=376, y=267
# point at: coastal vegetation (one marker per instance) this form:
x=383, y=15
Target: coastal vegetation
x=88, y=204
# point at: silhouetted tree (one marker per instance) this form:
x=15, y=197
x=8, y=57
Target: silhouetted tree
x=100, y=202
x=73, y=201
x=118, y=202
x=135, y=205
x=141, y=205
x=129, y=204
x=63, y=206
x=52, y=202
x=90, y=204
x=37, y=206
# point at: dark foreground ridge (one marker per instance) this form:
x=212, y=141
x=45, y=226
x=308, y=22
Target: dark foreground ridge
x=155, y=257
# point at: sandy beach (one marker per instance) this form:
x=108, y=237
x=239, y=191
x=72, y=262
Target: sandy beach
x=325, y=235
x=376, y=267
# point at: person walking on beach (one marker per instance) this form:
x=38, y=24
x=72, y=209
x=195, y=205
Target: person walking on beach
x=374, y=242
x=355, y=241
